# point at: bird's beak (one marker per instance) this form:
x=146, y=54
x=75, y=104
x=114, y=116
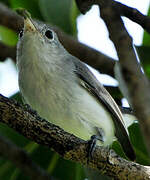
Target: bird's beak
x=29, y=25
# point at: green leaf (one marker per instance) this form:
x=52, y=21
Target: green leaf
x=53, y=163
x=6, y=2
x=146, y=39
x=138, y=143
x=31, y=6
x=118, y=149
x=60, y=13
x=13, y=135
x=7, y=169
x=68, y=170
x=79, y=172
x=8, y=36
x=144, y=55
x=74, y=14
x=15, y=174
x=17, y=97
x=142, y=156
x=4, y=168
x=146, y=36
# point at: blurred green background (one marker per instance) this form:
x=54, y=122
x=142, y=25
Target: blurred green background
x=49, y=11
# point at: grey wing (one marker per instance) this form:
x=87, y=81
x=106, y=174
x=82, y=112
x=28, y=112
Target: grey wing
x=89, y=81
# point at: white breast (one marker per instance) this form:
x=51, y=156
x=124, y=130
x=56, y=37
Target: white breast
x=57, y=97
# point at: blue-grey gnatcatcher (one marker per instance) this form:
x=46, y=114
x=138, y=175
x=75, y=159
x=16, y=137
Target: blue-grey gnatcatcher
x=64, y=91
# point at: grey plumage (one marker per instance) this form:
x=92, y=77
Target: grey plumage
x=64, y=91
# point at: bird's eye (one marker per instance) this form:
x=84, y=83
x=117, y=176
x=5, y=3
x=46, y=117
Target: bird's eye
x=49, y=34
x=21, y=33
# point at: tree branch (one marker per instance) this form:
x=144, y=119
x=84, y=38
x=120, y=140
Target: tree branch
x=129, y=12
x=134, y=15
x=136, y=81
x=22, y=160
x=131, y=69
x=29, y=124
x=10, y=18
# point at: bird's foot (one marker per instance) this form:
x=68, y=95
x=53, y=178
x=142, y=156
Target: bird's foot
x=92, y=145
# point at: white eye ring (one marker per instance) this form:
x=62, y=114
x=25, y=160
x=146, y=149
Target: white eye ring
x=49, y=34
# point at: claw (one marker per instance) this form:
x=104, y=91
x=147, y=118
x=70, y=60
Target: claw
x=92, y=145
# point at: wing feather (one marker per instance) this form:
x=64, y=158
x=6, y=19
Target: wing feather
x=90, y=83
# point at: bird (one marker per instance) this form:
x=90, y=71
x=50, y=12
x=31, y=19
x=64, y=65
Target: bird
x=64, y=91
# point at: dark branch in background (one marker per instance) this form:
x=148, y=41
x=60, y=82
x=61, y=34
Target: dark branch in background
x=136, y=81
x=7, y=51
x=29, y=124
x=10, y=18
x=94, y=58
x=123, y=10
x=134, y=15
x=20, y=158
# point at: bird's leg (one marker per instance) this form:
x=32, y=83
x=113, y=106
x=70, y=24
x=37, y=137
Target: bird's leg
x=92, y=143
